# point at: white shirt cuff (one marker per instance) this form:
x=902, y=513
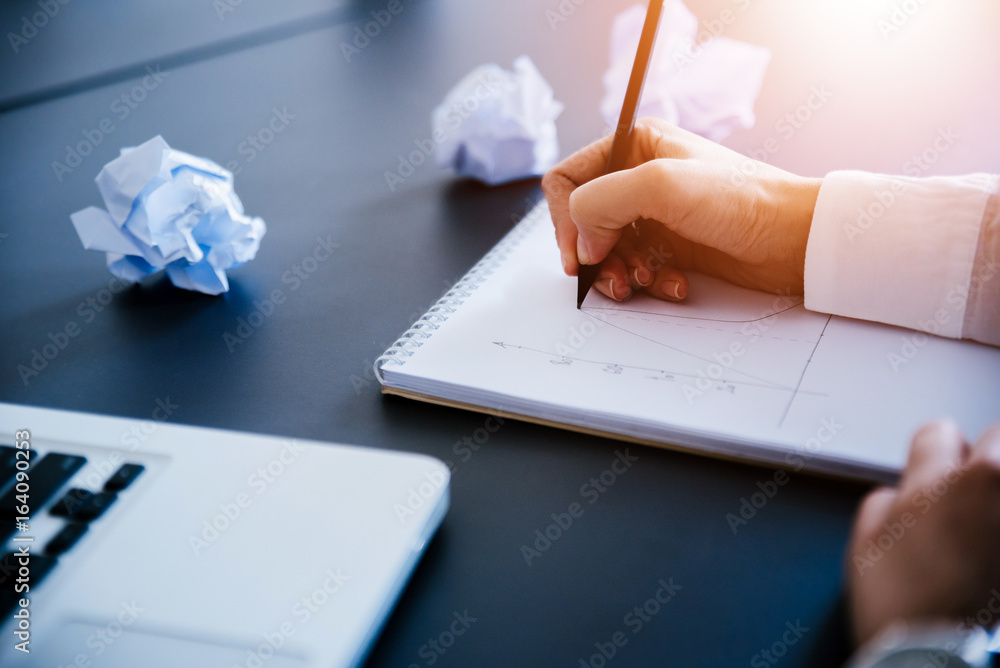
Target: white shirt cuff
x=895, y=249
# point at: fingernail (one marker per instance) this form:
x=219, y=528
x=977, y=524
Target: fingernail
x=565, y=264
x=672, y=288
x=582, y=250
x=627, y=291
x=642, y=276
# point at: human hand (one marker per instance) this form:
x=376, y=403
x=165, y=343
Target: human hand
x=697, y=210
x=929, y=549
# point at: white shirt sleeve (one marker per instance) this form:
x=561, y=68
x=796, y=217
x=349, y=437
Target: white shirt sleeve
x=906, y=251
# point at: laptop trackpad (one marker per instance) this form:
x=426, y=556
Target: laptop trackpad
x=78, y=643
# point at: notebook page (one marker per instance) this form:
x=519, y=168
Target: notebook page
x=729, y=370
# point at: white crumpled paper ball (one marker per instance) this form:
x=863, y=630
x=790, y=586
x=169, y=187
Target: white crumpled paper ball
x=498, y=126
x=167, y=209
x=707, y=88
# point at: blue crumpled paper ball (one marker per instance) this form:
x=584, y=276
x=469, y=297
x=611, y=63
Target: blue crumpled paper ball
x=167, y=209
x=497, y=126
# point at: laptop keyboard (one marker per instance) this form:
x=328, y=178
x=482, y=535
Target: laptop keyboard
x=76, y=507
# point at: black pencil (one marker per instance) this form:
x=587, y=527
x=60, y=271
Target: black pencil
x=587, y=274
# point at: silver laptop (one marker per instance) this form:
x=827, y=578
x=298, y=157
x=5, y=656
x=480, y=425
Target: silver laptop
x=153, y=544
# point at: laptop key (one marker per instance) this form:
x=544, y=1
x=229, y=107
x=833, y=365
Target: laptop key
x=8, y=464
x=123, y=477
x=65, y=539
x=45, y=478
x=71, y=500
x=81, y=505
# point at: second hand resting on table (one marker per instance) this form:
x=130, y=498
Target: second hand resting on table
x=697, y=210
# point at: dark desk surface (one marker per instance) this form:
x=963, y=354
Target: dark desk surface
x=304, y=372
x=56, y=49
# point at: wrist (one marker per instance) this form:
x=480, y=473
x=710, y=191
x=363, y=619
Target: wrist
x=787, y=212
x=799, y=206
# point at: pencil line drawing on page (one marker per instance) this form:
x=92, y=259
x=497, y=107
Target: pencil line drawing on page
x=722, y=338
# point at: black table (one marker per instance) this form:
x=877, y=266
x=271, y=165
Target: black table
x=305, y=371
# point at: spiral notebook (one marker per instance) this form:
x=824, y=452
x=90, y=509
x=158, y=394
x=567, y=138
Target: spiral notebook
x=729, y=372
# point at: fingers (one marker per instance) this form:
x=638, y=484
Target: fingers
x=669, y=284
x=603, y=206
x=987, y=448
x=626, y=270
x=559, y=182
x=613, y=279
x=874, y=511
x=937, y=448
x=650, y=138
x=640, y=271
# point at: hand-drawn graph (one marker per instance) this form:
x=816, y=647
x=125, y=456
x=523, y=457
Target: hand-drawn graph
x=722, y=338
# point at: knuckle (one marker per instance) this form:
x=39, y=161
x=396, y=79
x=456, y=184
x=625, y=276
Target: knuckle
x=650, y=124
x=644, y=124
x=550, y=183
x=660, y=172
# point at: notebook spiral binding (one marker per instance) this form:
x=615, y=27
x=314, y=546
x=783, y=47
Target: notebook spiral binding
x=437, y=314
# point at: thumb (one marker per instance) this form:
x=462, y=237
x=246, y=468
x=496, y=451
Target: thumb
x=602, y=207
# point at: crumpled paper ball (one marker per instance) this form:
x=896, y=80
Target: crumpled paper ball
x=169, y=210
x=498, y=126
x=707, y=88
